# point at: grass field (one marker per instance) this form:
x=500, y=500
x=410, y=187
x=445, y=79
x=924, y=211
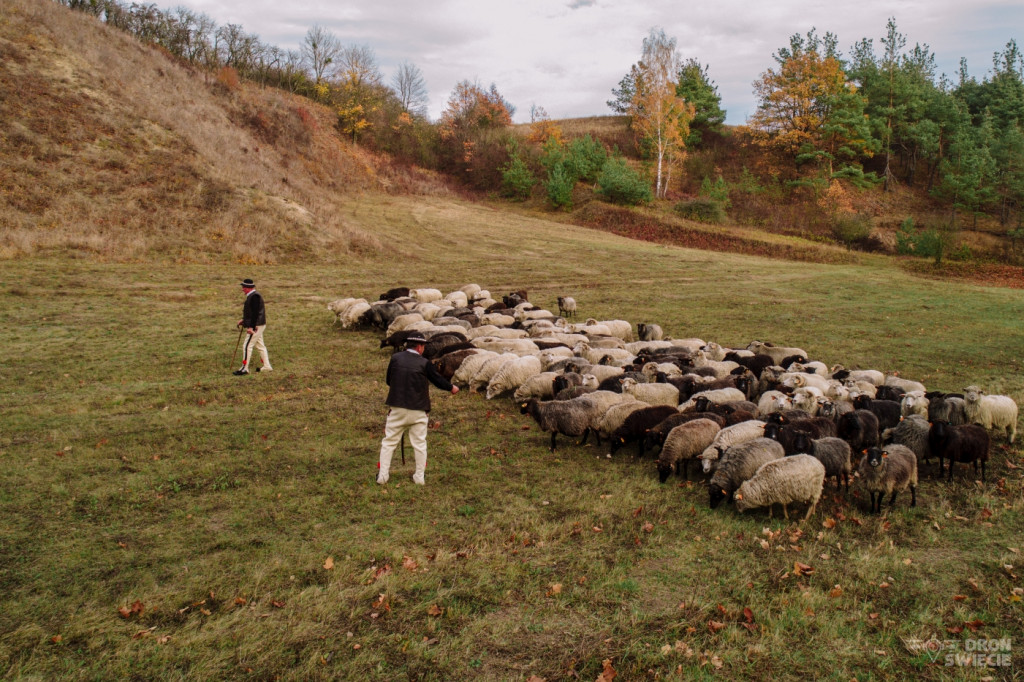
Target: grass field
x=235, y=521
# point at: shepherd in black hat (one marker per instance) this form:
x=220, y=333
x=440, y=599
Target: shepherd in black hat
x=254, y=320
x=409, y=399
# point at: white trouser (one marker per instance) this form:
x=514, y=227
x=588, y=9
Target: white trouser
x=255, y=340
x=399, y=421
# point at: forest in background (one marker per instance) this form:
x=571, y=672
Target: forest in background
x=873, y=148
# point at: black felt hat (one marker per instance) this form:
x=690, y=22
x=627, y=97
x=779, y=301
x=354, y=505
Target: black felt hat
x=414, y=339
x=248, y=283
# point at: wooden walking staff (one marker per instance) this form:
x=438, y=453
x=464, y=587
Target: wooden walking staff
x=231, y=362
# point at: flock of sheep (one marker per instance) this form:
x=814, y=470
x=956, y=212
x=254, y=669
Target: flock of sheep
x=767, y=425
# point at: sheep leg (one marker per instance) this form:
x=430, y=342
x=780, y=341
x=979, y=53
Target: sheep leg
x=892, y=500
x=982, y=471
x=951, y=460
x=810, y=510
x=785, y=512
x=640, y=448
x=685, y=466
x=553, y=435
x=583, y=440
x=913, y=496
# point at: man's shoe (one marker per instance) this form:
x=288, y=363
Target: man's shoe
x=418, y=479
x=381, y=478
x=240, y=372
x=264, y=369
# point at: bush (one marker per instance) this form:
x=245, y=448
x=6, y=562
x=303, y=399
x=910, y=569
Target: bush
x=850, y=229
x=585, y=159
x=620, y=184
x=701, y=209
x=559, y=186
x=716, y=191
x=906, y=237
x=516, y=177
x=934, y=242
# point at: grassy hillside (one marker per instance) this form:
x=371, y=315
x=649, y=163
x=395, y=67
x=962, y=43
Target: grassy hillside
x=112, y=149
x=137, y=472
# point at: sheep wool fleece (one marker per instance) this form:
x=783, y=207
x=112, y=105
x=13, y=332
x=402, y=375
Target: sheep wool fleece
x=409, y=400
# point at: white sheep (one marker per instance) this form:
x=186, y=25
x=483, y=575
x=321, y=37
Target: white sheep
x=716, y=396
x=860, y=387
x=730, y=435
x=429, y=311
x=651, y=370
x=776, y=353
x=594, y=356
x=806, y=399
x=402, y=322
x=470, y=366
x=721, y=369
x=603, y=372
x=914, y=402
x=497, y=319
x=991, y=411
x=870, y=375
x=619, y=328
x=800, y=380
x=458, y=299
x=567, y=306
x=550, y=356
x=488, y=369
x=799, y=478
x=811, y=367
x=714, y=351
x=652, y=394
x=635, y=347
x=691, y=344
x=682, y=444
x=340, y=305
x=569, y=340
x=512, y=375
x=426, y=295
x=470, y=290
x=616, y=414
x=904, y=385
x=540, y=386
x=518, y=346
x=353, y=313
x=772, y=401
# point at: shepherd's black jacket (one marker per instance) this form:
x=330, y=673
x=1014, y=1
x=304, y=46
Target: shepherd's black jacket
x=254, y=314
x=408, y=373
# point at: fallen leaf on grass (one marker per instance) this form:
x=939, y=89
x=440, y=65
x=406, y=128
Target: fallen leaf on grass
x=836, y=591
x=434, y=610
x=873, y=616
x=205, y=612
x=829, y=523
x=802, y=569
x=409, y=564
x=239, y=601
x=638, y=511
x=608, y=674
x=959, y=597
x=973, y=583
x=534, y=678
x=955, y=630
x=164, y=639
x=648, y=527
x=765, y=544
x=357, y=647
x=597, y=529
x=715, y=625
x=556, y=588
x=986, y=513
x=748, y=615
x=974, y=625
x=57, y=639
x=329, y=563
x=135, y=609
x=717, y=662
x=884, y=586
x=277, y=604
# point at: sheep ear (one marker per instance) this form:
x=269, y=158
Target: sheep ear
x=736, y=496
x=885, y=454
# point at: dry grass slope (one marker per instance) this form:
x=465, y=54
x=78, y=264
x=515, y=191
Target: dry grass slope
x=111, y=148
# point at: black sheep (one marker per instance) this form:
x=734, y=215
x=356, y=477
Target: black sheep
x=636, y=426
x=964, y=443
x=755, y=364
x=887, y=411
x=392, y=294
x=889, y=393
x=859, y=428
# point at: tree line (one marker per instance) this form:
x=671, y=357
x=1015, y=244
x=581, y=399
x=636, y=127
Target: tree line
x=869, y=118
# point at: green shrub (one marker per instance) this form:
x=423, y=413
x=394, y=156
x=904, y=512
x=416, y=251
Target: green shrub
x=701, y=209
x=559, y=186
x=716, y=191
x=906, y=237
x=585, y=158
x=850, y=229
x=516, y=177
x=620, y=184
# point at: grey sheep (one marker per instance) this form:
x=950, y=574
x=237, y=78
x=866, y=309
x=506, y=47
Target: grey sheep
x=912, y=432
x=682, y=444
x=888, y=472
x=649, y=332
x=946, y=407
x=567, y=417
x=739, y=463
x=799, y=478
x=833, y=453
x=567, y=306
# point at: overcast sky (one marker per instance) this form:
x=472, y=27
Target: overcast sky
x=567, y=55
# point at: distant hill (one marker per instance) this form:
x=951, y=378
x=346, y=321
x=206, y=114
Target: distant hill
x=114, y=148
